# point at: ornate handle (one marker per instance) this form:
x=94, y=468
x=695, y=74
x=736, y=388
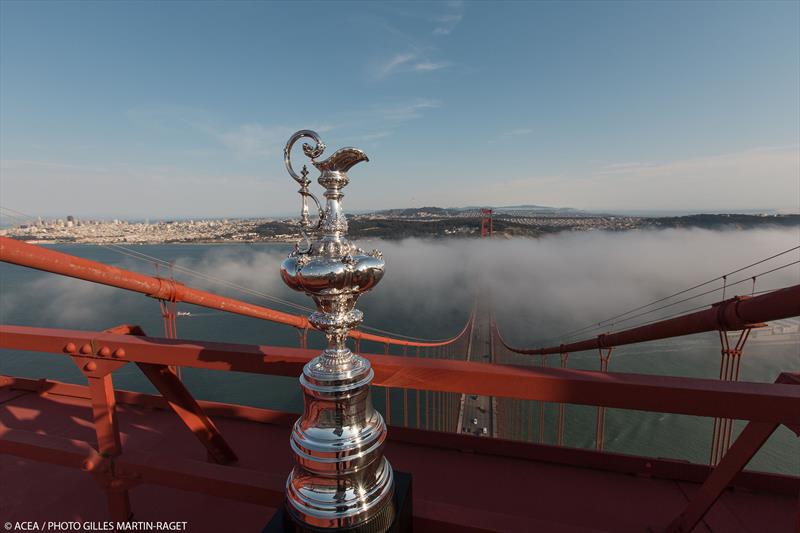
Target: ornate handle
x=313, y=153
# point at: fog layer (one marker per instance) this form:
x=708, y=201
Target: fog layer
x=541, y=287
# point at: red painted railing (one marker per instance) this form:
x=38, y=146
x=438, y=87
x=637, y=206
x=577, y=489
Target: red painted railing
x=99, y=354
x=699, y=397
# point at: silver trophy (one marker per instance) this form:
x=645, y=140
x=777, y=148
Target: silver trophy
x=341, y=478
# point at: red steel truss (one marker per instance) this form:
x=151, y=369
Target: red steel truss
x=98, y=354
x=763, y=402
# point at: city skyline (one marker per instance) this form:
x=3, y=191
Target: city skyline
x=181, y=110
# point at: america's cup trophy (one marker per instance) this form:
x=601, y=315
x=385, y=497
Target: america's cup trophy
x=340, y=479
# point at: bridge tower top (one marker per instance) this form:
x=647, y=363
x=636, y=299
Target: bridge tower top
x=486, y=223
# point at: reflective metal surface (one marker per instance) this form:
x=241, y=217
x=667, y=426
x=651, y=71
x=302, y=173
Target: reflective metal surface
x=340, y=478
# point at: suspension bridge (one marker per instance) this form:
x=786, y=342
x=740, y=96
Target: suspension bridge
x=466, y=415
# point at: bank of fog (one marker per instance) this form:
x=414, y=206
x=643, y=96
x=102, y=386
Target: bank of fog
x=542, y=287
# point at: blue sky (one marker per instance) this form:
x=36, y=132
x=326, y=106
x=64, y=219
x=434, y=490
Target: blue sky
x=147, y=109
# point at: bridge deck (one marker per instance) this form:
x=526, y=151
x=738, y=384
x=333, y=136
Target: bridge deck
x=483, y=491
x=477, y=413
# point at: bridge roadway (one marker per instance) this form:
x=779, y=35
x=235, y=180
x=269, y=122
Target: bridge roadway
x=478, y=412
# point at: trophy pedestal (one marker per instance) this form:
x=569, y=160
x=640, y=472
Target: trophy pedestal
x=282, y=523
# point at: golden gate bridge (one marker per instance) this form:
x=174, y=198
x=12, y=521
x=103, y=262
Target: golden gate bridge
x=439, y=387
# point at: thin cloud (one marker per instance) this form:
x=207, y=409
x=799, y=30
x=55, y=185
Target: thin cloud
x=380, y=120
x=447, y=23
x=781, y=158
x=416, y=58
x=373, y=136
x=393, y=64
x=406, y=62
x=623, y=166
x=248, y=140
x=254, y=140
x=258, y=140
x=758, y=178
x=428, y=66
x=406, y=111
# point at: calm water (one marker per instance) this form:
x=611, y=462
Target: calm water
x=406, y=302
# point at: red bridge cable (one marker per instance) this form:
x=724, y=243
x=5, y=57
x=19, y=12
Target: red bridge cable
x=606, y=321
x=679, y=313
x=149, y=258
x=37, y=257
x=711, y=291
x=145, y=257
x=139, y=255
x=733, y=314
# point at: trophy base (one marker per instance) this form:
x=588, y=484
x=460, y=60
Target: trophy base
x=398, y=522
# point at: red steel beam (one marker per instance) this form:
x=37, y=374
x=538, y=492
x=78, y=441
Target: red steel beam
x=104, y=411
x=753, y=436
x=180, y=401
x=106, y=425
x=189, y=411
x=747, y=444
x=585, y=458
x=730, y=315
x=765, y=402
x=32, y=256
